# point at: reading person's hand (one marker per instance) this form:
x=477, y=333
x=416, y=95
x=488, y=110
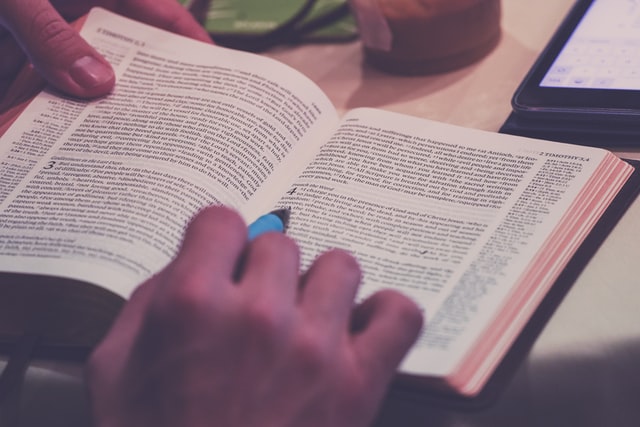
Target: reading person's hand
x=194, y=347
x=38, y=30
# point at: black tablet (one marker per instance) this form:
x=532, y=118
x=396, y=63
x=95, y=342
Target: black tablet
x=590, y=70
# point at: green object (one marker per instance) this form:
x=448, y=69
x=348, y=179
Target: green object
x=343, y=28
x=249, y=17
x=259, y=24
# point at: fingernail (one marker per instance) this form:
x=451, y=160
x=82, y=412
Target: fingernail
x=88, y=72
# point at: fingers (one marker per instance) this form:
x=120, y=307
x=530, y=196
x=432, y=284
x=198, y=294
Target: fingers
x=329, y=288
x=387, y=325
x=63, y=58
x=212, y=244
x=56, y=50
x=209, y=254
x=168, y=15
x=271, y=269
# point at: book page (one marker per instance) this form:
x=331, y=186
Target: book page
x=449, y=216
x=102, y=190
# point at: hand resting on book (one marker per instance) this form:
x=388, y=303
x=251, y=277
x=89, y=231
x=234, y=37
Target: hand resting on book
x=38, y=29
x=202, y=343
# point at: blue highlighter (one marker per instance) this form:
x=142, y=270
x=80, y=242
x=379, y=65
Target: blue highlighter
x=273, y=221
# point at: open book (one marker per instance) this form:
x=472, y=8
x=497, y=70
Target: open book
x=474, y=226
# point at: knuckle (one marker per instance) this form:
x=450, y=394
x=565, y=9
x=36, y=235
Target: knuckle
x=50, y=29
x=221, y=222
x=344, y=258
x=176, y=22
x=405, y=309
x=263, y=328
x=312, y=355
x=322, y=362
x=186, y=297
x=276, y=243
x=263, y=319
x=217, y=214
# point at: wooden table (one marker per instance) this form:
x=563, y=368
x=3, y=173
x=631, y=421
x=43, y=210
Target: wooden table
x=584, y=369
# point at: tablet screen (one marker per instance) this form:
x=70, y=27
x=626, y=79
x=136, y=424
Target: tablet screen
x=604, y=50
x=591, y=67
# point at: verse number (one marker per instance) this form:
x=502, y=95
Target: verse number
x=49, y=165
x=292, y=191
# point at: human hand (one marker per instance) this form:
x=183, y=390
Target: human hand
x=38, y=30
x=194, y=347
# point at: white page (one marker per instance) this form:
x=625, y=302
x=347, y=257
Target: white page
x=425, y=208
x=100, y=191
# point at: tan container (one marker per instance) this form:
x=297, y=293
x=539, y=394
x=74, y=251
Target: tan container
x=426, y=36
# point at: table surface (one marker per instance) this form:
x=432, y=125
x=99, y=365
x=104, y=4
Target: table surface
x=584, y=368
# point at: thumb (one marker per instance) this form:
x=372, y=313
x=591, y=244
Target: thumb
x=56, y=50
